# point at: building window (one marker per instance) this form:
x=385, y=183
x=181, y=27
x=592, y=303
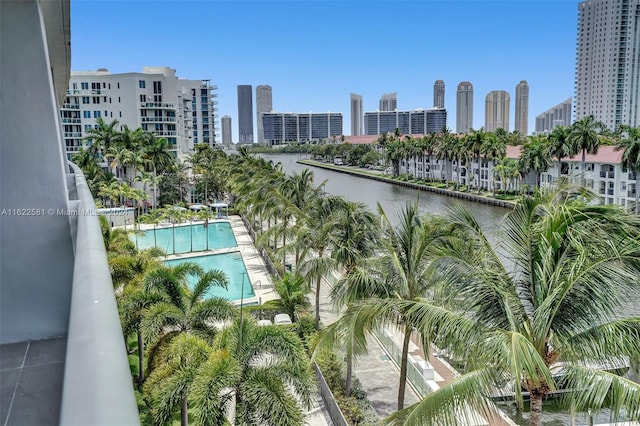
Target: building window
x=96, y=99
x=86, y=114
x=141, y=84
x=157, y=87
x=96, y=114
x=118, y=85
x=143, y=98
x=84, y=85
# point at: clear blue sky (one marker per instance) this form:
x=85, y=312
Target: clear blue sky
x=314, y=53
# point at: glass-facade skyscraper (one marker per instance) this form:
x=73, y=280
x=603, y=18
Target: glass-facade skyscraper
x=245, y=114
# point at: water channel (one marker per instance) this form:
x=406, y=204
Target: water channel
x=393, y=198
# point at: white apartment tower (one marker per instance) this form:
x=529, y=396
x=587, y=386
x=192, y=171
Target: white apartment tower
x=226, y=131
x=182, y=111
x=438, y=94
x=607, y=75
x=264, y=103
x=522, y=107
x=464, y=107
x=389, y=102
x=357, y=127
x=497, y=111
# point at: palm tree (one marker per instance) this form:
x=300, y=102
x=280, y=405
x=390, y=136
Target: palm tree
x=102, y=137
x=535, y=157
x=274, y=379
x=631, y=156
x=399, y=272
x=494, y=149
x=192, y=368
x=474, y=143
x=556, y=302
x=507, y=170
x=315, y=228
x=183, y=309
x=559, y=146
x=355, y=238
x=584, y=137
x=158, y=156
x=292, y=291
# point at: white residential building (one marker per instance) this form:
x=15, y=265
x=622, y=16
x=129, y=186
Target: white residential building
x=182, y=111
x=605, y=174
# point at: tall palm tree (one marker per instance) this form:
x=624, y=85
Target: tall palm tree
x=315, y=229
x=555, y=303
x=559, y=146
x=355, y=238
x=474, y=142
x=631, y=156
x=584, y=138
x=494, y=149
x=535, y=157
x=183, y=309
x=400, y=271
x=192, y=369
x=102, y=137
x=274, y=378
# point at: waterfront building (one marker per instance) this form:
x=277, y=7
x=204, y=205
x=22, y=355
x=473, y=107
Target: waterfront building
x=464, y=107
x=245, y=114
x=227, y=134
x=559, y=115
x=264, y=103
x=179, y=110
x=280, y=128
x=356, y=115
x=388, y=102
x=496, y=114
x=438, y=94
x=419, y=121
x=63, y=354
x=607, y=74
x=522, y=107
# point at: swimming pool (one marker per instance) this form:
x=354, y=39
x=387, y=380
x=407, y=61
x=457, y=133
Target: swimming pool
x=197, y=237
x=229, y=263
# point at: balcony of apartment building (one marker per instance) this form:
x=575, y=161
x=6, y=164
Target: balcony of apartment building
x=62, y=353
x=607, y=171
x=158, y=105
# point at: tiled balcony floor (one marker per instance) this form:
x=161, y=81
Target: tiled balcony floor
x=31, y=375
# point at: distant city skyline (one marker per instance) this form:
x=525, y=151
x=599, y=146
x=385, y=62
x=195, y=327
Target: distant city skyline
x=110, y=35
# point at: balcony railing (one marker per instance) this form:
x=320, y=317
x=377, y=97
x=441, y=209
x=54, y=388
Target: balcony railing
x=161, y=105
x=72, y=134
x=608, y=175
x=70, y=106
x=164, y=132
x=71, y=121
x=97, y=381
x=90, y=92
x=158, y=119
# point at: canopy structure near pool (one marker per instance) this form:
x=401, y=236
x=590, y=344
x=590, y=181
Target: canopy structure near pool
x=218, y=207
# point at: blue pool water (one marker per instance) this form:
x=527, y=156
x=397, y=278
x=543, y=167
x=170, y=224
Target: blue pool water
x=188, y=238
x=229, y=263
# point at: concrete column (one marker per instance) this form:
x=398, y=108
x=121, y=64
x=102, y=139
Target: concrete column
x=36, y=251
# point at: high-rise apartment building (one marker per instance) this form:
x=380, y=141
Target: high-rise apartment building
x=607, y=75
x=245, y=114
x=356, y=115
x=496, y=113
x=559, y=115
x=464, y=107
x=227, y=135
x=180, y=110
x=522, y=107
x=438, y=94
x=264, y=103
x=292, y=127
x=389, y=102
x=419, y=121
